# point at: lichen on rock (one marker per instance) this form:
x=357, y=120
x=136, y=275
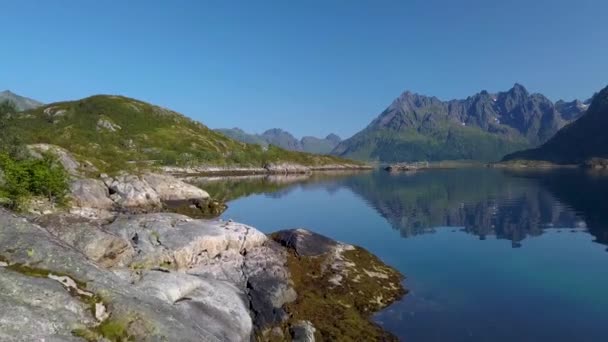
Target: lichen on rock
x=339, y=287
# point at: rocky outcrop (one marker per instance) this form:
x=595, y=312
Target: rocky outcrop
x=304, y=242
x=95, y=198
x=335, y=280
x=303, y=331
x=65, y=158
x=153, y=277
x=170, y=188
x=271, y=168
x=179, y=241
x=131, y=191
x=90, y=193
x=107, y=125
x=88, y=237
x=286, y=168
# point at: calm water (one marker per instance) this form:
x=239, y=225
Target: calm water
x=489, y=255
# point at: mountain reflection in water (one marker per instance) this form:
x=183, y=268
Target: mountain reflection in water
x=507, y=204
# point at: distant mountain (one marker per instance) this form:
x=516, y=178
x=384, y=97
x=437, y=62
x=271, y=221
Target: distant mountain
x=22, y=103
x=484, y=127
x=578, y=142
x=242, y=136
x=572, y=110
x=280, y=138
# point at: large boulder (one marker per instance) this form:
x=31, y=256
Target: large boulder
x=304, y=242
x=303, y=331
x=170, y=188
x=130, y=191
x=90, y=193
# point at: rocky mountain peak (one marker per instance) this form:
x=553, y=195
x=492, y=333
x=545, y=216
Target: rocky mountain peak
x=333, y=138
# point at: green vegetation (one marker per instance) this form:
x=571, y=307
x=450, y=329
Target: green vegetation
x=118, y=133
x=446, y=143
x=23, y=176
x=343, y=312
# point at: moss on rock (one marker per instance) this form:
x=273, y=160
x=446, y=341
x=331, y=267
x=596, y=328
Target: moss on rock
x=338, y=292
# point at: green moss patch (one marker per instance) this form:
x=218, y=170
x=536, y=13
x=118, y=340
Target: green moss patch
x=342, y=312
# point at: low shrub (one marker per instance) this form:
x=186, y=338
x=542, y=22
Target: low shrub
x=25, y=178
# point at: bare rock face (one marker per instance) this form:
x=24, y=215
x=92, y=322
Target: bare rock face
x=38, y=309
x=181, y=241
x=303, y=331
x=131, y=191
x=88, y=236
x=90, y=193
x=220, y=302
x=159, y=306
x=65, y=158
x=105, y=124
x=170, y=188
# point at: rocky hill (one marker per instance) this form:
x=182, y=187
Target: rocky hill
x=484, y=126
x=115, y=132
x=578, y=142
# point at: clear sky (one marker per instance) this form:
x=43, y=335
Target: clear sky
x=311, y=67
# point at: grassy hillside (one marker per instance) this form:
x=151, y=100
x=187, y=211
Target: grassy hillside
x=115, y=132
x=450, y=143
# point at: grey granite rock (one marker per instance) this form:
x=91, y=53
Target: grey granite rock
x=170, y=188
x=177, y=239
x=36, y=309
x=131, y=191
x=304, y=242
x=87, y=236
x=90, y=193
x=145, y=317
x=303, y=331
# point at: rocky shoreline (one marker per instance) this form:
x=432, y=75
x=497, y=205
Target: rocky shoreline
x=269, y=169
x=116, y=266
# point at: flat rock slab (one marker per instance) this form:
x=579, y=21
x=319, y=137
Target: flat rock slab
x=182, y=241
x=304, y=242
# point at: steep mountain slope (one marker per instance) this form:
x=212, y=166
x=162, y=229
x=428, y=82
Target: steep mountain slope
x=484, y=127
x=116, y=132
x=22, y=103
x=285, y=140
x=582, y=140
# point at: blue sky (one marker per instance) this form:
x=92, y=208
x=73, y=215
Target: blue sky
x=311, y=67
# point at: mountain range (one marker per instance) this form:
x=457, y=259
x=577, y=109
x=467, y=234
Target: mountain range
x=22, y=103
x=578, y=142
x=485, y=126
x=285, y=140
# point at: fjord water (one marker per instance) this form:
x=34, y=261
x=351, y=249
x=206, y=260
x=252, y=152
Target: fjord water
x=488, y=255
